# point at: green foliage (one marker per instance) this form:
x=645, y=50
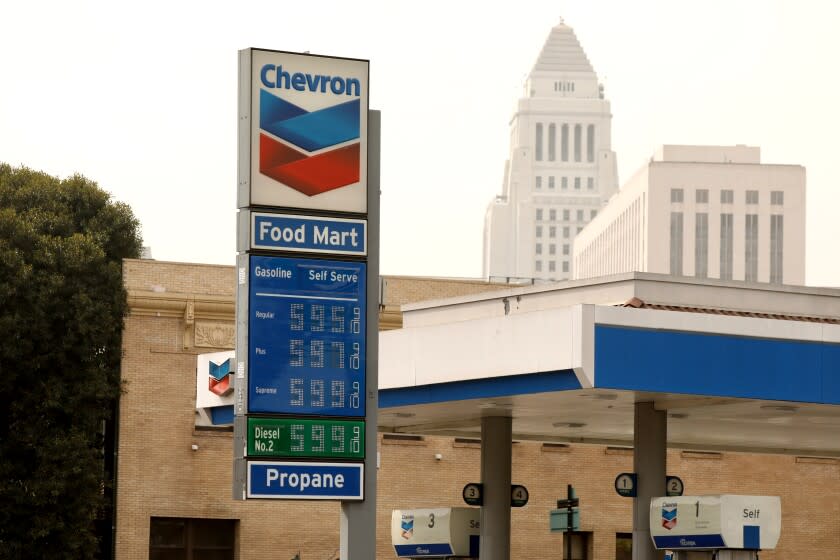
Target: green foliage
x=61, y=316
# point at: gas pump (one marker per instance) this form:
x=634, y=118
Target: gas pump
x=436, y=532
x=716, y=527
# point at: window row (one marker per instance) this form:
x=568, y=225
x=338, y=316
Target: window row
x=552, y=266
x=727, y=196
x=727, y=234
x=571, y=138
x=567, y=216
x=564, y=183
x=552, y=249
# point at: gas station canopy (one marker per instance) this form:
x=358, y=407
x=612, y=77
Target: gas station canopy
x=737, y=366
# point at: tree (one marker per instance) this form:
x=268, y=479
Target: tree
x=62, y=305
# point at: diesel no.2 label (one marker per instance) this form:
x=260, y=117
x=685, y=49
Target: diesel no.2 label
x=306, y=438
x=307, y=337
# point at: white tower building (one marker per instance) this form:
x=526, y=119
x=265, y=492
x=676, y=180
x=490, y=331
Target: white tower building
x=561, y=169
x=703, y=211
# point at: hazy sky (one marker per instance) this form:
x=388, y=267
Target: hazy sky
x=141, y=97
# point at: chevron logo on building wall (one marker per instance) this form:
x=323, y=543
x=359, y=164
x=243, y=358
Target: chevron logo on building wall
x=221, y=377
x=214, y=388
x=295, y=144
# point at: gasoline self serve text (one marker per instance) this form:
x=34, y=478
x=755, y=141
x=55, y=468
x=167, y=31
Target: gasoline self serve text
x=316, y=275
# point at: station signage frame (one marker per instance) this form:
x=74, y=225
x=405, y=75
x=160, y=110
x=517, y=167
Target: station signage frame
x=307, y=216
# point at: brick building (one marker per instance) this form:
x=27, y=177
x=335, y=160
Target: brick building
x=174, y=478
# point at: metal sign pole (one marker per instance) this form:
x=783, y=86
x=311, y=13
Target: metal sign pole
x=358, y=519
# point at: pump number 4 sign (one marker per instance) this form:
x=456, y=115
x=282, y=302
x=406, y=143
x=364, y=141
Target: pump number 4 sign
x=518, y=495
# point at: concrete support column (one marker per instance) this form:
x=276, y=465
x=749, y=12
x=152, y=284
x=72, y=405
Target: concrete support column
x=496, y=446
x=650, y=428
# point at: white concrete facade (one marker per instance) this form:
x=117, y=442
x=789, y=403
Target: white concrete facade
x=704, y=211
x=561, y=168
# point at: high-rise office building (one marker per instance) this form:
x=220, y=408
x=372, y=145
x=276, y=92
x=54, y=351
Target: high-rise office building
x=703, y=211
x=561, y=169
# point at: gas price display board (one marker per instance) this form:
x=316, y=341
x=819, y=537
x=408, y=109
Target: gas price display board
x=297, y=437
x=307, y=338
x=304, y=431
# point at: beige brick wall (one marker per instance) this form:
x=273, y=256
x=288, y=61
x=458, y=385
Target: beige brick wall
x=159, y=474
x=408, y=289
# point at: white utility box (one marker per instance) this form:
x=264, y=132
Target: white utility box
x=435, y=532
x=723, y=521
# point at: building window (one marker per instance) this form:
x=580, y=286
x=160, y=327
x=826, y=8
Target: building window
x=566, y=232
x=539, y=213
x=624, y=546
x=701, y=245
x=552, y=232
x=538, y=266
x=552, y=266
x=577, y=183
x=539, y=231
x=676, y=195
x=551, y=182
x=590, y=143
x=552, y=249
x=751, y=244
x=777, y=198
x=566, y=249
x=579, y=229
x=701, y=196
x=726, y=246
x=577, y=142
x=590, y=183
x=564, y=142
x=538, y=249
x=565, y=266
x=181, y=538
x=726, y=196
x=552, y=140
x=552, y=214
x=592, y=214
x=777, y=242
x=538, y=182
x=564, y=183
x=539, y=142
x=566, y=214
x=676, y=243
x=752, y=197
x=580, y=215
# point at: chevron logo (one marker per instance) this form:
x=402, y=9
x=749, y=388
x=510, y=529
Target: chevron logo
x=669, y=517
x=294, y=144
x=407, y=527
x=220, y=377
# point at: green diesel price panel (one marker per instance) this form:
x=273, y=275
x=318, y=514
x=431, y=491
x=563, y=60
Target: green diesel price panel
x=306, y=438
